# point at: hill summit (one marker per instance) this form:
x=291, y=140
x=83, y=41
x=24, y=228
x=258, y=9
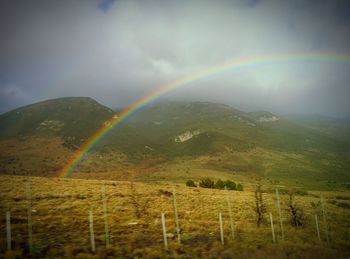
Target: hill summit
x=72, y=118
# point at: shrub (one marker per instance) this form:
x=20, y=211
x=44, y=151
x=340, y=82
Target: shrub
x=239, y=187
x=296, y=212
x=140, y=208
x=230, y=185
x=206, y=183
x=190, y=183
x=220, y=184
x=260, y=208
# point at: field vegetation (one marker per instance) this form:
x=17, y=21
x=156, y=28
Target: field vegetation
x=60, y=212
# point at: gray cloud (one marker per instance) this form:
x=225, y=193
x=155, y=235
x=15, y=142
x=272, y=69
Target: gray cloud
x=117, y=51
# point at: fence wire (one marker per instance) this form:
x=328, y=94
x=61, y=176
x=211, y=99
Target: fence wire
x=66, y=214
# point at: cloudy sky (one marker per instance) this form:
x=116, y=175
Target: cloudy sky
x=118, y=51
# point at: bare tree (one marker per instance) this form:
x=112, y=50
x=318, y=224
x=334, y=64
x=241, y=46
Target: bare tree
x=295, y=211
x=135, y=200
x=260, y=208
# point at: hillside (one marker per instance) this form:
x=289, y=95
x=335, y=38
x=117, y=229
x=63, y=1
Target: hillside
x=221, y=127
x=336, y=127
x=171, y=141
x=72, y=118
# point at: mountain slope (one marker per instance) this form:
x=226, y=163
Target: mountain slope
x=162, y=125
x=73, y=118
x=338, y=128
x=170, y=140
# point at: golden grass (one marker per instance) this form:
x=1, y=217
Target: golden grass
x=60, y=221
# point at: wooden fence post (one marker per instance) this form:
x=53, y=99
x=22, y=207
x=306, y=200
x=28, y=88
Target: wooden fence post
x=317, y=228
x=164, y=232
x=272, y=229
x=221, y=229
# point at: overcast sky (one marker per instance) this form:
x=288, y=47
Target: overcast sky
x=118, y=51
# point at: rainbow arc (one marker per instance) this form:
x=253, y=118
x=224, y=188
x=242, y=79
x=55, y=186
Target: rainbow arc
x=244, y=63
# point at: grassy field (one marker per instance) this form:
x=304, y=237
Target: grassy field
x=60, y=209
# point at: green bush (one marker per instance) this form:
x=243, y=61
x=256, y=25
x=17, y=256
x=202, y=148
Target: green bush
x=190, y=183
x=207, y=183
x=239, y=187
x=220, y=184
x=230, y=185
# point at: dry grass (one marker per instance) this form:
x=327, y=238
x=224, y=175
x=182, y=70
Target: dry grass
x=46, y=156
x=60, y=221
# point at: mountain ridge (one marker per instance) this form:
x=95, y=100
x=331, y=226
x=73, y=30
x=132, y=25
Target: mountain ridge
x=166, y=136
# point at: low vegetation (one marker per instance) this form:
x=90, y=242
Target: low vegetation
x=295, y=211
x=219, y=184
x=60, y=209
x=260, y=207
x=190, y=183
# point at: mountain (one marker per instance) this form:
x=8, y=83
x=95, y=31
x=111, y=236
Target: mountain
x=171, y=141
x=40, y=138
x=72, y=118
x=178, y=128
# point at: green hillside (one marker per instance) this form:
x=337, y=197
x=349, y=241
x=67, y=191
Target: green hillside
x=72, y=118
x=173, y=141
x=233, y=142
x=335, y=127
x=219, y=127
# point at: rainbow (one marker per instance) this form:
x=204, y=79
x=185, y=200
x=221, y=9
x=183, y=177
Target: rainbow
x=211, y=71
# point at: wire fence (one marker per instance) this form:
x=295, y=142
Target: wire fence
x=121, y=213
